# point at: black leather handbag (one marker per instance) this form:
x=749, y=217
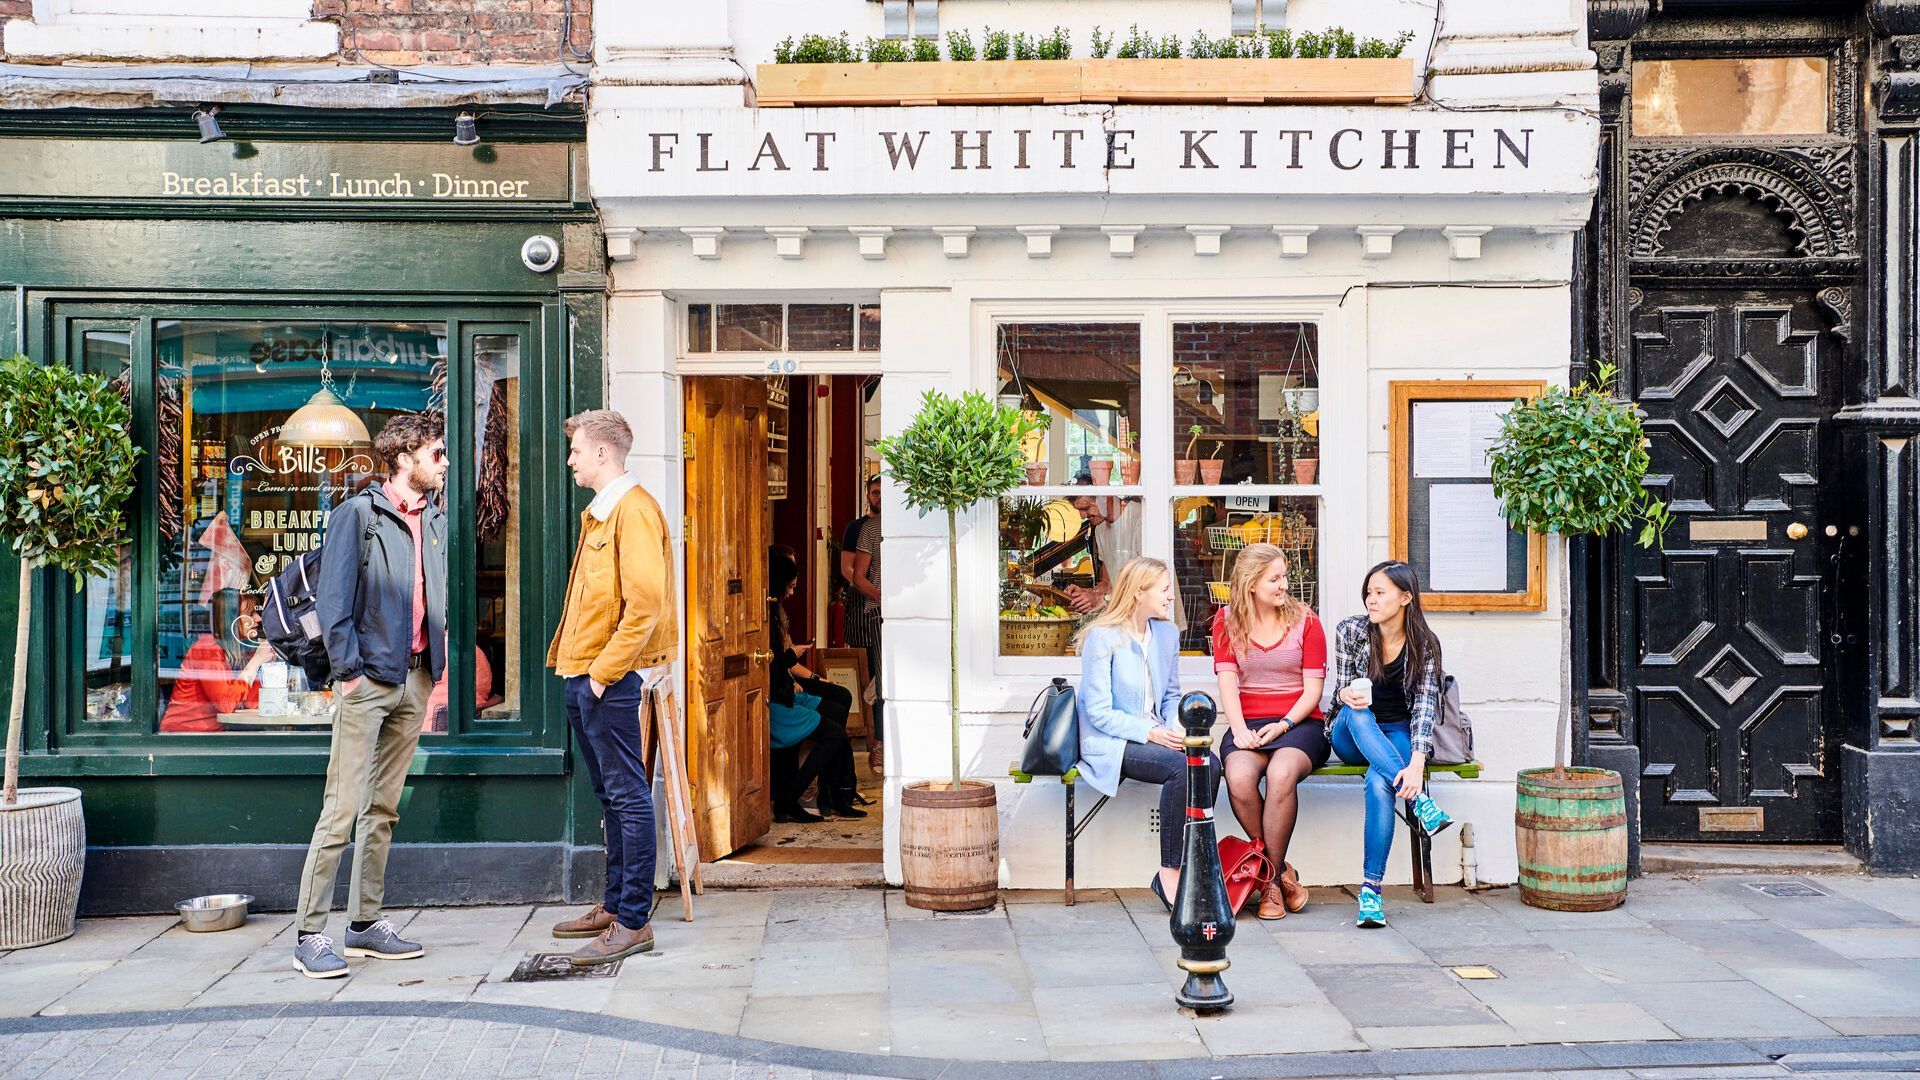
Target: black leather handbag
x=1052, y=732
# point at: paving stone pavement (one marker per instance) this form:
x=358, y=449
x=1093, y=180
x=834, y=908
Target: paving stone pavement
x=1708, y=973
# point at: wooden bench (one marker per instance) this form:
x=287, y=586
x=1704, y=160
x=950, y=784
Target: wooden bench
x=1421, y=848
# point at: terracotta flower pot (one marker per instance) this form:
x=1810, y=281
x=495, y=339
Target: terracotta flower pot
x=1306, y=470
x=1036, y=472
x=1102, y=472
x=1186, y=471
x=1130, y=471
x=1210, y=470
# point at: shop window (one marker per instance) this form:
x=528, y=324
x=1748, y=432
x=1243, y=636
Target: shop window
x=1085, y=378
x=799, y=328
x=1246, y=403
x=275, y=424
x=1209, y=532
x=1058, y=554
x=496, y=533
x=108, y=641
x=1772, y=95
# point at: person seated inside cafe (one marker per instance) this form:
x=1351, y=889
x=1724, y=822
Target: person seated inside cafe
x=805, y=709
x=221, y=671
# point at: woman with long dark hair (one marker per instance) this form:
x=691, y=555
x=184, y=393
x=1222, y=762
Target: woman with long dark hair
x=1386, y=677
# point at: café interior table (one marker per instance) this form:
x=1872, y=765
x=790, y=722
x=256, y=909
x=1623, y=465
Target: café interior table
x=253, y=718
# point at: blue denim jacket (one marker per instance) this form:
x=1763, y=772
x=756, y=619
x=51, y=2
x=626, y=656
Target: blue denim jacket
x=1120, y=687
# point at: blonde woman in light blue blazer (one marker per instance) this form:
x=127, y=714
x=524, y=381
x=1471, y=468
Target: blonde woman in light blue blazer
x=1129, y=703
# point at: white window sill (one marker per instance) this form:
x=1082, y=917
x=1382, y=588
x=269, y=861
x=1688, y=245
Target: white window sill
x=214, y=40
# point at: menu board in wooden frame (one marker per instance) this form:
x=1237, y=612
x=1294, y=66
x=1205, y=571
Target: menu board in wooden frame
x=1446, y=521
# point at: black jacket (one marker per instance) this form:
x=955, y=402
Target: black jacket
x=780, y=681
x=368, y=614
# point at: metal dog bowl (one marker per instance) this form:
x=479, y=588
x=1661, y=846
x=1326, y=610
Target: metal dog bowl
x=205, y=914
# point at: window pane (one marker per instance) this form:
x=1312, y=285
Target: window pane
x=1058, y=557
x=1086, y=378
x=276, y=422
x=109, y=600
x=496, y=528
x=1246, y=402
x=699, y=328
x=749, y=328
x=869, y=327
x=1774, y=95
x=820, y=327
x=1210, y=532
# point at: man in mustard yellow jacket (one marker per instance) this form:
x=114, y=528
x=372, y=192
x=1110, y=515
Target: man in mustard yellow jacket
x=617, y=630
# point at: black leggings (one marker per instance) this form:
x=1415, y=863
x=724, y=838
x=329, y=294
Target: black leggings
x=1152, y=763
x=830, y=757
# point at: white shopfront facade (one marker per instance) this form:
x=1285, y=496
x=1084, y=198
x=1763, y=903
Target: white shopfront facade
x=1392, y=243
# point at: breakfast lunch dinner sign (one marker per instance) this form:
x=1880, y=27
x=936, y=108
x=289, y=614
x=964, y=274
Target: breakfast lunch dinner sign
x=1144, y=150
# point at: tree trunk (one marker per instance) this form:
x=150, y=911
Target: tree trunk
x=953, y=638
x=15, y=718
x=1566, y=670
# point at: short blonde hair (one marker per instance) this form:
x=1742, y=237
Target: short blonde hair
x=603, y=426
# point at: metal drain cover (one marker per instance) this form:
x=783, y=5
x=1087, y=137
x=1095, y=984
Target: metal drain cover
x=554, y=966
x=1784, y=888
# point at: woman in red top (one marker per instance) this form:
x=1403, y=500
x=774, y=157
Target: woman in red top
x=218, y=676
x=1270, y=653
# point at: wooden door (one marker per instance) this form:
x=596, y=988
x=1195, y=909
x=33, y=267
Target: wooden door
x=726, y=543
x=1736, y=715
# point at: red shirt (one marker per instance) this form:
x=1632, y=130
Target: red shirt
x=1271, y=676
x=416, y=517
x=206, y=688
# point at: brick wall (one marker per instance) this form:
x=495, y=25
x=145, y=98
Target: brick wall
x=12, y=9
x=452, y=32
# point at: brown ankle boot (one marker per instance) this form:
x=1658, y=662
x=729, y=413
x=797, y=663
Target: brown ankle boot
x=614, y=942
x=598, y=918
x=1271, y=905
x=1291, y=891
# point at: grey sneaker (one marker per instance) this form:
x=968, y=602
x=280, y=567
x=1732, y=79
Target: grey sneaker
x=382, y=942
x=314, y=957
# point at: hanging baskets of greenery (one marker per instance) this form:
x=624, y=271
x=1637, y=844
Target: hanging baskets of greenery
x=1572, y=461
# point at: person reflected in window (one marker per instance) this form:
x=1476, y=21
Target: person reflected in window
x=221, y=671
x=805, y=709
x=1116, y=542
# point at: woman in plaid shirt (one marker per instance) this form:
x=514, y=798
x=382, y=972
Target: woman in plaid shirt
x=1387, y=725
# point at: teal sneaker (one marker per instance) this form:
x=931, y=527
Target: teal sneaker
x=1431, y=817
x=1373, y=912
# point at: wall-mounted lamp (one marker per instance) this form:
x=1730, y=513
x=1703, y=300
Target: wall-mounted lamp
x=465, y=132
x=209, y=126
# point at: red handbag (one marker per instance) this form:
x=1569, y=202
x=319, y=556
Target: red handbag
x=1246, y=867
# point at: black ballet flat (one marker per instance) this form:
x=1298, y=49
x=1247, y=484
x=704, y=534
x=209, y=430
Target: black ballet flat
x=1154, y=884
x=796, y=815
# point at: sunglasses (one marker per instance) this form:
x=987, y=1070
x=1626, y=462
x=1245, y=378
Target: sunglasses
x=439, y=453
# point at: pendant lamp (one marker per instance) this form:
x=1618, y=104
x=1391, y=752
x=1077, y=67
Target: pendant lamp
x=324, y=421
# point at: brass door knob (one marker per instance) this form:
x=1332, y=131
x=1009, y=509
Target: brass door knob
x=763, y=657
x=1796, y=531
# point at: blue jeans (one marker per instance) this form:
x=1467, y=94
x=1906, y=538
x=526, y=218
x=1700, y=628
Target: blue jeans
x=1151, y=763
x=1386, y=750
x=608, y=730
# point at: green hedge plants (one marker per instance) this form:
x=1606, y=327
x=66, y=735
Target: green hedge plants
x=1265, y=44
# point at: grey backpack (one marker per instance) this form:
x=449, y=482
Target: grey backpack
x=1452, y=731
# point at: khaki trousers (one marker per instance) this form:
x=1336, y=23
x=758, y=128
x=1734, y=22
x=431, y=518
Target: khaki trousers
x=376, y=729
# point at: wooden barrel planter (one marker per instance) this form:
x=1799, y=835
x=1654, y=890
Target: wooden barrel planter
x=950, y=845
x=1571, y=832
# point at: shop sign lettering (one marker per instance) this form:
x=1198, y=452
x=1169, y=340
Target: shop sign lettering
x=333, y=185
x=1113, y=150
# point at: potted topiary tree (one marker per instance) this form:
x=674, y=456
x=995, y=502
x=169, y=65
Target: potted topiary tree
x=66, y=469
x=955, y=454
x=1571, y=462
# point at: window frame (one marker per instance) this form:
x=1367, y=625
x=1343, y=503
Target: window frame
x=534, y=743
x=783, y=361
x=998, y=683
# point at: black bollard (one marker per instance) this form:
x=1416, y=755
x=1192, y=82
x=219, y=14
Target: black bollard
x=1202, y=920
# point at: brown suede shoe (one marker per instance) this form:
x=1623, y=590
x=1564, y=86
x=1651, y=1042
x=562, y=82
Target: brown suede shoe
x=1271, y=906
x=614, y=942
x=596, y=919
x=1294, y=893
x=876, y=756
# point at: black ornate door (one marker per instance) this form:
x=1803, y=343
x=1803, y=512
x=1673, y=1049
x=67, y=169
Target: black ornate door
x=1735, y=719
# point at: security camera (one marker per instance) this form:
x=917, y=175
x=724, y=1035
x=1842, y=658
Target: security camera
x=540, y=253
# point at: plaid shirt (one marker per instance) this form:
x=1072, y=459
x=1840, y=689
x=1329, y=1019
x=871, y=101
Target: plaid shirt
x=1351, y=655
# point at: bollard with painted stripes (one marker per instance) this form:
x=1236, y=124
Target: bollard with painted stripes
x=1202, y=920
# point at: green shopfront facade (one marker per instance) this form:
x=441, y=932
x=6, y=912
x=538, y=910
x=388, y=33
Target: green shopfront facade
x=264, y=304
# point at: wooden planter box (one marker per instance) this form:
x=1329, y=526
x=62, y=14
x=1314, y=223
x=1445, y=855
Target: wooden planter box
x=995, y=82
x=1066, y=82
